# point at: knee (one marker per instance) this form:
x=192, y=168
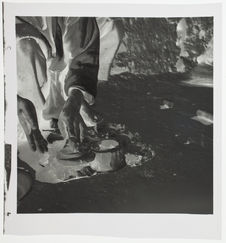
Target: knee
x=111, y=30
x=27, y=46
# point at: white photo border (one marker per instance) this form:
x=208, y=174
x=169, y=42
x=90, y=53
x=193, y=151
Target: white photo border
x=124, y=225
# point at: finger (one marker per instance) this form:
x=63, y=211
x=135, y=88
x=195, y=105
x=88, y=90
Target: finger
x=67, y=123
x=31, y=141
x=41, y=143
x=70, y=128
x=41, y=146
x=83, y=128
x=27, y=131
x=73, y=145
x=45, y=145
x=94, y=115
x=62, y=127
x=24, y=124
x=87, y=115
x=88, y=110
x=90, y=132
x=82, y=132
x=91, y=115
x=77, y=129
x=30, y=114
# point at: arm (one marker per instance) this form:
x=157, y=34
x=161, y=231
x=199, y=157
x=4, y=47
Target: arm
x=29, y=122
x=81, y=51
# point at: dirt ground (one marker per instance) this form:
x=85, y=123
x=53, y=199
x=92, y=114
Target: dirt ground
x=179, y=179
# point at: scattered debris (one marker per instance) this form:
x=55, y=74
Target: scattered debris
x=51, y=170
x=117, y=127
x=133, y=159
x=203, y=117
x=166, y=104
x=189, y=141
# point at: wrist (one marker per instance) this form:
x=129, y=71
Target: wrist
x=74, y=99
x=89, y=98
x=75, y=93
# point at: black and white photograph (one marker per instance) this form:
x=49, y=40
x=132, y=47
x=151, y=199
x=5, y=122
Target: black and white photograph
x=114, y=115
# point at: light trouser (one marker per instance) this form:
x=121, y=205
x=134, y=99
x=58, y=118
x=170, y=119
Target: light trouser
x=39, y=82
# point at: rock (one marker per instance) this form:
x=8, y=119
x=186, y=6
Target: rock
x=133, y=160
x=166, y=104
x=203, y=117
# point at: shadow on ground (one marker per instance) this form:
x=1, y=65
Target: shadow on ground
x=180, y=177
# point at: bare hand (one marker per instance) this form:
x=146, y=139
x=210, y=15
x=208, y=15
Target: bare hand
x=72, y=119
x=28, y=120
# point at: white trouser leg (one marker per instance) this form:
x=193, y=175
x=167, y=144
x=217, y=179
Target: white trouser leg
x=111, y=34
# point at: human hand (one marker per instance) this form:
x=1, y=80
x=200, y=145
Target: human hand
x=28, y=120
x=74, y=124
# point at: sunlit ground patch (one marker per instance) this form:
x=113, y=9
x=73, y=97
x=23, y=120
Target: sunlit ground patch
x=131, y=151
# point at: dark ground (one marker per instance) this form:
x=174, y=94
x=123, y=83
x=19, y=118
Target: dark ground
x=179, y=179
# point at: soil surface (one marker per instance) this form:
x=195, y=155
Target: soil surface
x=179, y=179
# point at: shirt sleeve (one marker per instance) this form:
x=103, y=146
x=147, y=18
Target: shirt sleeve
x=81, y=52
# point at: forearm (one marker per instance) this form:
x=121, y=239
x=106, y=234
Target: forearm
x=84, y=79
x=82, y=43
